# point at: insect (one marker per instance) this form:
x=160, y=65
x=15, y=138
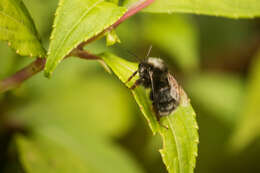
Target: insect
x=164, y=94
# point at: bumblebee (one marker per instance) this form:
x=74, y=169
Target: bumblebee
x=164, y=89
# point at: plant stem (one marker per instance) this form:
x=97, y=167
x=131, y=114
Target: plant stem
x=35, y=67
x=131, y=11
x=83, y=55
x=38, y=65
x=22, y=75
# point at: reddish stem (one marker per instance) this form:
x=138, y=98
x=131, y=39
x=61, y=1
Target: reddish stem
x=130, y=12
x=22, y=75
x=35, y=67
x=38, y=65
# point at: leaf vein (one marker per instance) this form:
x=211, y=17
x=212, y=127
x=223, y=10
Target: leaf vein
x=76, y=24
x=14, y=19
x=177, y=144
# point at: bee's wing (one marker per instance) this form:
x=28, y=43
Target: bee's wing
x=151, y=78
x=175, y=88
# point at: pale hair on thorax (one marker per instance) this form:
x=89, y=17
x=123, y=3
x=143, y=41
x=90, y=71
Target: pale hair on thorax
x=156, y=62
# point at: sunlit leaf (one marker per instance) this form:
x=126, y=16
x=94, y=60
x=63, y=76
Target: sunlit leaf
x=18, y=29
x=226, y=8
x=176, y=35
x=180, y=141
x=77, y=21
x=114, y=1
x=52, y=150
x=112, y=38
x=248, y=126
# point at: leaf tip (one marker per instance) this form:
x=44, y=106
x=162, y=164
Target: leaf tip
x=47, y=74
x=48, y=70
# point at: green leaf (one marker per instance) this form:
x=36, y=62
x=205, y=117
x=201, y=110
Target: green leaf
x=18, y=29
x=179, y=38
x=180, y=141
x=248, y=128
x=52, y=150
x=113, y=1
x=225, y=8
x=77, y=21
x=112, y=38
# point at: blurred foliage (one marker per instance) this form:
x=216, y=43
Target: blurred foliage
x=181, y=46
x=212, y=91
x=74, y=90
x=6, y=65
x=88, y=115
x=52, y=150
x=248, y=127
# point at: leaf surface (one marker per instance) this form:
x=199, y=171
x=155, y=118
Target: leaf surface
x=225, y=8
x=18, y=29
x=77, y=21
x=180, y=141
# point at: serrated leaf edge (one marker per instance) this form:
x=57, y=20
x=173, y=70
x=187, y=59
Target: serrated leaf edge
x=55, y=63
x=34, y=32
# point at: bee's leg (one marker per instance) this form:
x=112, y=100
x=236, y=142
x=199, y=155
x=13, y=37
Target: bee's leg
x=131, y=76
x=158, y=117
x=151, y=96
x=137, y=82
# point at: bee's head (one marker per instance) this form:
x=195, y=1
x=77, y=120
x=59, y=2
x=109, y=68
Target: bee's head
x=144, y=68
x=157, y=63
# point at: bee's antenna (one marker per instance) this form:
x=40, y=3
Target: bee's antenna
x=149, y=51
x=131, y=53
x=138, y=58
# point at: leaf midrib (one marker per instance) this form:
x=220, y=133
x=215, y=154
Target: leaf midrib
x=188, y=134
x=17, y=21
x=177, y=144
x=12, y=30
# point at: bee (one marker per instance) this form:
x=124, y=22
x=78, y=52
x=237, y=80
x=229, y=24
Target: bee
x=164, y=89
